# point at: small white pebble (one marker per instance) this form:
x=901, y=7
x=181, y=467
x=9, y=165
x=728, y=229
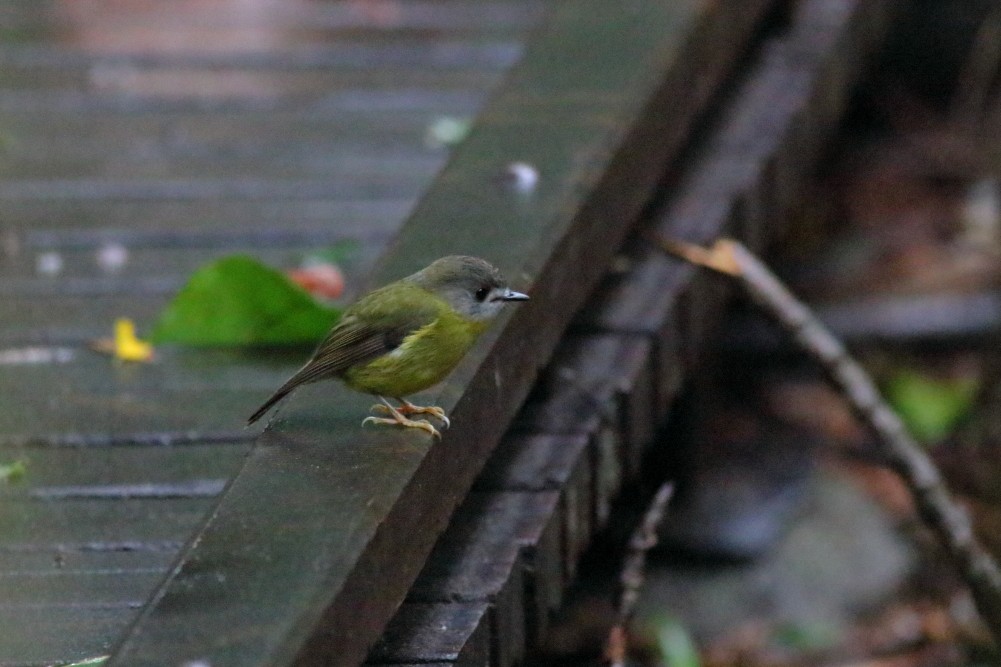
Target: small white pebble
x=49, y=263
x=446, y=131
x=200, y=662
x=111, y=257
x=522, y=176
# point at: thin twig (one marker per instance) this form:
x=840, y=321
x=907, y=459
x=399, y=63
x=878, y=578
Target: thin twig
x=642, y=540
x=934, y=502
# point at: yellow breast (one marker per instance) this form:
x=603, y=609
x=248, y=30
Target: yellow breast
x=423, y=359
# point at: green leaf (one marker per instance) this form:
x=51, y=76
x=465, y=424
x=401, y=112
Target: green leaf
x=676, y=646
x=237, y=300
x=931, y=407
x=13, y=471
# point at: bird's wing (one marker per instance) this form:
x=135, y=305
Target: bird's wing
x=376, y=325
x=372, y=328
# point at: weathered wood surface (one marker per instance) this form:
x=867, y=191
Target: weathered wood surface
x=182, y=132
x=319, y=537
x=575, y=442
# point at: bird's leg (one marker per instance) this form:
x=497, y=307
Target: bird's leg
x=397, y=418
x=408, y=408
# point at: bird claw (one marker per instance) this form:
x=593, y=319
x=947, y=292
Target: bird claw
x=409, y=408
x=422, y=424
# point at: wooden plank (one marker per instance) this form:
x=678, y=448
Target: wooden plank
x=459, y=635
x=279, y=162
x=191, y=223
x=98, y=525
x=69, y=634
x=81, y=397
x=556, y=464
x=479, y=558
x=198, y=470
x=124, y=589
x=637, y=302
x=309, y=22
x=56, y=562
x=318, y=592
x=598, y=384
x=350, y=52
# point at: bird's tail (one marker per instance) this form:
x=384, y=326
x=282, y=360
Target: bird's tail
x=268, y=404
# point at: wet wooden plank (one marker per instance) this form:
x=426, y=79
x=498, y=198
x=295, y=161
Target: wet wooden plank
x=282, y=162
x=480, y=558
x=65, y=562
x=303, y=22
x=98, y=525
x=116, y=589
x=390, y=54
x=459, y=635
x=124, y=471
x=637, y=301
x=597, y=383
x=80, y=396
x=563, y=465
x=597, y=170
x=79, y=600
x=71, y=633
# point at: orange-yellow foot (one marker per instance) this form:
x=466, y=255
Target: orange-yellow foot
x=408, y=408
x=397, y=418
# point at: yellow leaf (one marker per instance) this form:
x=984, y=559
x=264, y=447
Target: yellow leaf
x=128, y=347
x=125, y=346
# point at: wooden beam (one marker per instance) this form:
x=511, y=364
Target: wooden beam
x=317, y=540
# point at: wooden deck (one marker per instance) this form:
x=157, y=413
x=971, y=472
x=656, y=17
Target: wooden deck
x=151, y=525
x=181, y=133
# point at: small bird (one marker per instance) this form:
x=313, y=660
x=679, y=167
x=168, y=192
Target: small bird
x=407, y=336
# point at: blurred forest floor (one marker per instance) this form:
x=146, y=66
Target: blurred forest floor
x=789, y=543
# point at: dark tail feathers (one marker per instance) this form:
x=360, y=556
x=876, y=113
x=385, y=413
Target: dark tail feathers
x=268, y=404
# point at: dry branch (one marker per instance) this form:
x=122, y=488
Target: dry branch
x=934, y=502
x=642, y=540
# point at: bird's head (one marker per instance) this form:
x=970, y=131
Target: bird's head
x=473, y=287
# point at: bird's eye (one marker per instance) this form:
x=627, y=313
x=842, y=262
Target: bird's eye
x=482, y=293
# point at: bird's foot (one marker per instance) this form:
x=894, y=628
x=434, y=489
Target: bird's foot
x=408, y=408
x=399, y=420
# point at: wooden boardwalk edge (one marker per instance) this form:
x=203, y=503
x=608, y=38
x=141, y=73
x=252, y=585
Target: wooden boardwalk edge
x=317, y=540
x=511, y=551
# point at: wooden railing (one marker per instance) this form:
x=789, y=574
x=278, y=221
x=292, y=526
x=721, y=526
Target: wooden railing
x=320, y=535
x=499, y=573
x=331, y=544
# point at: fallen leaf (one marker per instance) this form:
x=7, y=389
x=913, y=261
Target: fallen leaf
x=236, y=301
x=125, y=345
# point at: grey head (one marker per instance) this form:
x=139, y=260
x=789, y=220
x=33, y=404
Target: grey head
x=472, y=286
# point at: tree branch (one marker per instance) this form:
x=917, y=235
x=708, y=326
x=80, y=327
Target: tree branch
x=642, y=540
x=934, y=502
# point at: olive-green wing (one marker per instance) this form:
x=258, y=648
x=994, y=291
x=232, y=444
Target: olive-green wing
x=351, y=343
x=374, y=326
